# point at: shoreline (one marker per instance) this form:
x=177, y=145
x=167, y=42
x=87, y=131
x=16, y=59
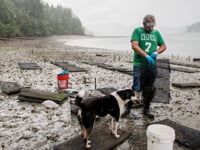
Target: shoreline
x=41, y=126
x=67, y=38
x=106, y=43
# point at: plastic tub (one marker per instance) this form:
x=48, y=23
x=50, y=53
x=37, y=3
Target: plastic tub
x=160, y=137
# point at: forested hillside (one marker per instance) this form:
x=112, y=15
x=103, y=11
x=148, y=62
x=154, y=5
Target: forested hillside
x=194, y=27
x=35, y=18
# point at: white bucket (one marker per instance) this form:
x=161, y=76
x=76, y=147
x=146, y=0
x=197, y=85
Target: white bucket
x=160, y=137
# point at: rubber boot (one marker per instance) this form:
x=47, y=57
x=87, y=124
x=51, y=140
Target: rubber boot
x=148, y=95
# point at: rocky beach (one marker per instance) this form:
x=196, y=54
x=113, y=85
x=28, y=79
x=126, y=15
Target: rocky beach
x=35, y=126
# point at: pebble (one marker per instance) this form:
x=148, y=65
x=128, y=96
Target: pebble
x=50, y=104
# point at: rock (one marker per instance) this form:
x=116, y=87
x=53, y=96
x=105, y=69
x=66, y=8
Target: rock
x=50, y=104
x=26, y=135
x=125, y=145
x=178, y=102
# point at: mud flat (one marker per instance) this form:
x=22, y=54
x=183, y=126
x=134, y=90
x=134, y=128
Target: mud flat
x=25, y=125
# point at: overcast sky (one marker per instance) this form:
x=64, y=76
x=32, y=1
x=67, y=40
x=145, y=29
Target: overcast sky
x=119, y=17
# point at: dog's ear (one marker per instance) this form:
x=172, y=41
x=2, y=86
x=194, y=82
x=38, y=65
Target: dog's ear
x=125, y=94
x=129, y=93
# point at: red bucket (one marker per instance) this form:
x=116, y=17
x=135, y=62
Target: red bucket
x=63, y=81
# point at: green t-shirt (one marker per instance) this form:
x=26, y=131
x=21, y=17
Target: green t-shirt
x=147, y=42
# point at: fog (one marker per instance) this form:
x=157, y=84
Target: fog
x=119, y=17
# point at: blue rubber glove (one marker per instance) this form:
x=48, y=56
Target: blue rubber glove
x=154, y=55
x=150, y=60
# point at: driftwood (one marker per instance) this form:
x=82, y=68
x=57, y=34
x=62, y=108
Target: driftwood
x=186, y=85
x=162, y=61
x=25, y=38
x=164, y=64
x=177, y=69
x=183, y=70
x=185, y=64
x=4, y=39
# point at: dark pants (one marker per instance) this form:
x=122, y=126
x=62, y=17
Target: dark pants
x=143, y=77
x=143, y=80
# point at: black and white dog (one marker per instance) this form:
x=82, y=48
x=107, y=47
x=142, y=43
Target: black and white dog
x=113, y=104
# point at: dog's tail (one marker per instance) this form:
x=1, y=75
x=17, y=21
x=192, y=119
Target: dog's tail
x=79, y=98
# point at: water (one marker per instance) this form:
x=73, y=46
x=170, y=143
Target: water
x=182, y=44
x=114, y=43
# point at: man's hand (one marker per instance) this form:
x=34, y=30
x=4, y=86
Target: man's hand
x=150, y=60
x=154, y=55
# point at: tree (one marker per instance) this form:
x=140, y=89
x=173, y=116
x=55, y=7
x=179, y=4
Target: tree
x=5, y=14
x=194, y=27
x=77, y=28
x=34, y=18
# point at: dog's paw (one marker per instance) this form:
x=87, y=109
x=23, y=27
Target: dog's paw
x=88, y=144
x=117, y=136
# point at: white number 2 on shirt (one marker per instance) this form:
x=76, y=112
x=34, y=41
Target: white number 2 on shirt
x=148, y=44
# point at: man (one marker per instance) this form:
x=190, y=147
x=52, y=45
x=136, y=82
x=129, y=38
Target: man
x=147, y=43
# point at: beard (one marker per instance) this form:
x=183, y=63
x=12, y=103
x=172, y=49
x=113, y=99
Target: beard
x=148, y=29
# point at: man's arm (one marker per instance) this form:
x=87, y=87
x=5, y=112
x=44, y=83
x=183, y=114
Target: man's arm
x=161, y=49
x=137, y=48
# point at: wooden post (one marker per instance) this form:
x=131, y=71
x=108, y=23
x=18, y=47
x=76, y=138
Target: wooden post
x=95, y=83
x=84, y=80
